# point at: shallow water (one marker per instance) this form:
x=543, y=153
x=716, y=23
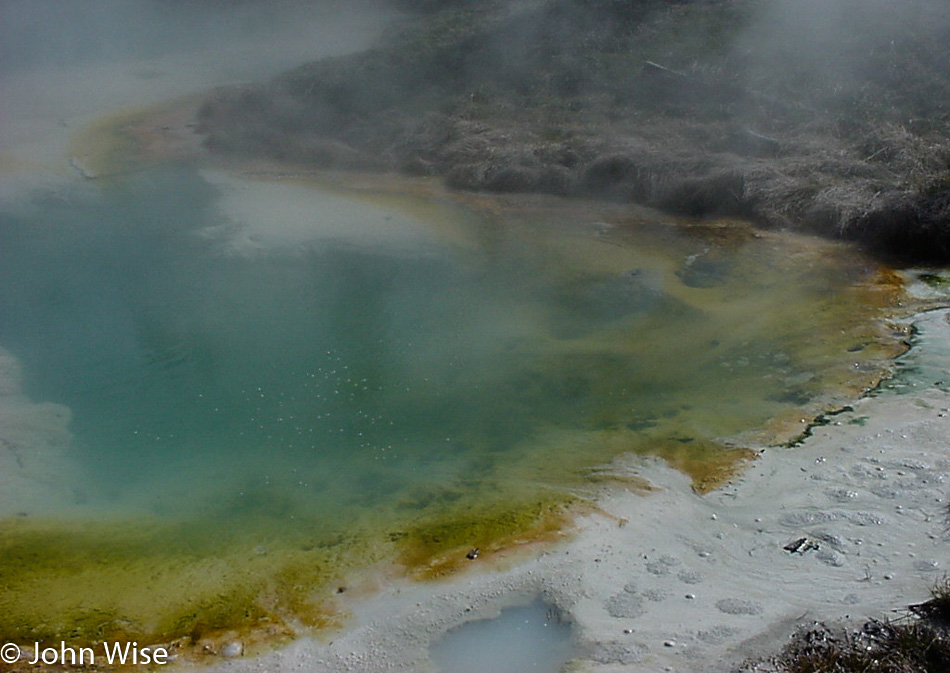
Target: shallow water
x=927, y=359
x=520, y=639
x=218, y=396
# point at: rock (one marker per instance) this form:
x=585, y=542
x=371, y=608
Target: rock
x=232, y=649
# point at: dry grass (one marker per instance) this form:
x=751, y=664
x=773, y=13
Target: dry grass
x=918, y=643
x=937, y=609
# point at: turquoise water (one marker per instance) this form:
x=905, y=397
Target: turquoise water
x=252, y=421
x=334, y=367
x=352, y=365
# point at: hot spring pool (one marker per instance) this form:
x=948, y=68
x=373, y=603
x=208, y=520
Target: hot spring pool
x=222, y=396
x=522, y=638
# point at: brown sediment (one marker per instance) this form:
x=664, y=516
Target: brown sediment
x=439, y=547
x=708, y=465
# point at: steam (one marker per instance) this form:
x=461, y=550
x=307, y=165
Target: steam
x=66, y=63
x=66, y=33
x=846, y=49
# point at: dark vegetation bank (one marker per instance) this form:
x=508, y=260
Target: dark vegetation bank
x=830, y=116
x=917, y=643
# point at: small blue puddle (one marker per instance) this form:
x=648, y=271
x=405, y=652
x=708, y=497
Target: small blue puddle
x=527, y=638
